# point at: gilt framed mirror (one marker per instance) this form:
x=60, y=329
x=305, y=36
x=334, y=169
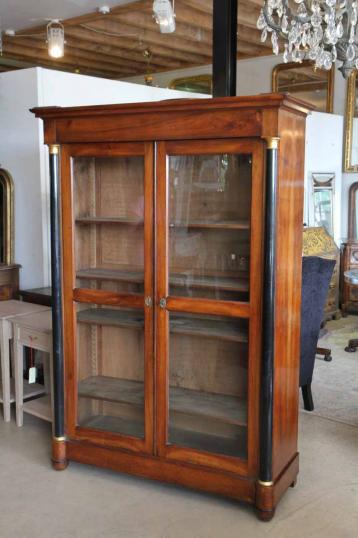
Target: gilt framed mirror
x=6, y=218
x=351, y=125
x=197, y=83
x=305, y=82
x=353, y=212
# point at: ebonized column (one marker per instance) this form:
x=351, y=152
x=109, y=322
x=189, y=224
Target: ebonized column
x=56, y=278
x=268, y=315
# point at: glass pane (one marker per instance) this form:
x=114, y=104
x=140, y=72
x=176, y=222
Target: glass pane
x=209, y=219
x=110, y=353
x=306, y=83
x=323, y=208
x=208, y=384
x=109, y=231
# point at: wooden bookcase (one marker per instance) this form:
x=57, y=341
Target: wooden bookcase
x=176, y=289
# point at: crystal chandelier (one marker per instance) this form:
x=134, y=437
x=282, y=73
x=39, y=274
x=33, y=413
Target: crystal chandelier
x=322, y=31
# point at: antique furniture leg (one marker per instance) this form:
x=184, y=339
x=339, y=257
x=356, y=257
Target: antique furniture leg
x=307, y=397
x=327, y=353
x=352, y=345
x=19, y=380
x=59, y=460
x=5, y=336
x=351, y=278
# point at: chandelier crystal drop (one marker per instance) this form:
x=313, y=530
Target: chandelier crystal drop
x=322, y=31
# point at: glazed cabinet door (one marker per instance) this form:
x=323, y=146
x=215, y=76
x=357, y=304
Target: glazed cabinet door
x=209, y=288
x=107, y=196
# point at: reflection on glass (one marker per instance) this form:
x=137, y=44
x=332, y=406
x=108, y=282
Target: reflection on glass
x=109, y=214
x=209, y=241
x=305, y=82
x=208, y=384
x=110, y=355
x=323, y=196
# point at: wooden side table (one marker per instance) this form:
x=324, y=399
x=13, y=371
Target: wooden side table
x=37, y=296
x=10, y=310
x=34, y=331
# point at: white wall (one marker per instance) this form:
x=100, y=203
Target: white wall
x=23, y=154
x=20, y=155
x=324, y=134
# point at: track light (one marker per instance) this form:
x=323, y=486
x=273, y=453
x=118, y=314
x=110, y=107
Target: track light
x=56, y=39
x=164, y=15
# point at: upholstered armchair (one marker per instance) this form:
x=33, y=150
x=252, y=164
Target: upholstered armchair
x=316, y=276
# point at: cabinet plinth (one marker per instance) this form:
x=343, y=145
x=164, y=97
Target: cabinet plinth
x=170, y=214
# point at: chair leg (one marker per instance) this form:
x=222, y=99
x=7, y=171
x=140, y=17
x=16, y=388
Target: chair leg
x=327, y=353
x=307, y=397
x=352, y=345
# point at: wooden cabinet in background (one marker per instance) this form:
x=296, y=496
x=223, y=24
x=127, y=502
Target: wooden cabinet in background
x=318, y=242
x=349, y=260
x=349, y=254
x=182, y=243
x=9, y=281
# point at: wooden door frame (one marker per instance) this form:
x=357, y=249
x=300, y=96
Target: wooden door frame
x=251, y=310
x=82, y=295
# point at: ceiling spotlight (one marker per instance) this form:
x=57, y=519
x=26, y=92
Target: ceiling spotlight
x=104, y=10
x=56, y=39
x=164, y=15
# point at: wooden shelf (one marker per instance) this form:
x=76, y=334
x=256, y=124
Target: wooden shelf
x=219, y=225
x=221, y=407
x=176, y=279
x=39, y=407
x=97, y=273
x=30, y=391
x=234, y=446
x=108, y=220
x=207, y=328
x=204, y=224
x=113, y=318
x=229, y=446
x=107, y=423
x=212, y=282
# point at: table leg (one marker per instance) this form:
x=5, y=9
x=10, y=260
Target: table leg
x=5, y=337
x=19, y=381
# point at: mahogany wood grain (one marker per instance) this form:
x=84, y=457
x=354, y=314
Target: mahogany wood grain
x=83, y=295
x=59, y=459
x=154, y=131
x=192, y=476
x=288, y=289
x=268, y=496
x=208, y=306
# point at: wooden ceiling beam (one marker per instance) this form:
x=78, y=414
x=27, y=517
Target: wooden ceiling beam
x=88, y=40
x=160, y=56
x=77, y=50
x=183, y=30
x=41, y=58
x=128, y=43
x=154, y=37
x=65, y=68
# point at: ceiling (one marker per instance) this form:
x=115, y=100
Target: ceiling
x=124, y=43
x=19, y=14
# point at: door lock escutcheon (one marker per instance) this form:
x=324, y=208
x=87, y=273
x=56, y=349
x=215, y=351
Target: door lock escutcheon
x=163, y=303
x=148, y=302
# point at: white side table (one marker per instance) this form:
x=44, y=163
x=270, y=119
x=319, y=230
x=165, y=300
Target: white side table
x=8, y=311
x=34, y=331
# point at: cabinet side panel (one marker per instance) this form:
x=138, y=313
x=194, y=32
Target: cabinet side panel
x=288, y=288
